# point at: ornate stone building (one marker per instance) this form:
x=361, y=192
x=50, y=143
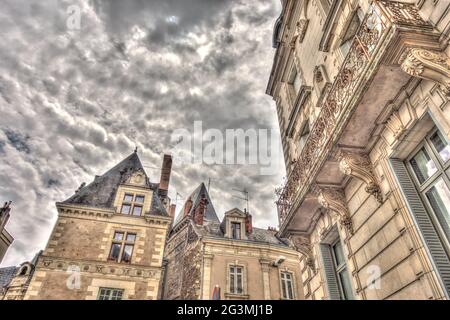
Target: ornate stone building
x=14, y=281
x=108, y=241
x=5, y=238
x=362, y=94
x=205, y=254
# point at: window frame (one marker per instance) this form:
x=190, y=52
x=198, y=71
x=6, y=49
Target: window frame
x=122, y=291
x=291, y=280
x=442, y=172
x=238, y=232
x=338, y=269
x=122, y=243
x=235, y=282
x=132, y=204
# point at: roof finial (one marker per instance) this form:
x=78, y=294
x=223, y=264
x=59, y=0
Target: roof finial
x=136, y=149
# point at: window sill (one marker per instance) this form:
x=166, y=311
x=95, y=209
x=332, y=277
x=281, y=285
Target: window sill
x=236, y=296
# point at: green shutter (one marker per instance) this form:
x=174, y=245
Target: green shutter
x=330, y=274
x=423, y=221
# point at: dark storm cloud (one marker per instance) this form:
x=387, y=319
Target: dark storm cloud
x=75, y=102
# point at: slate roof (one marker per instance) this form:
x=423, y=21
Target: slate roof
x=6, y=275
x=196, y=196
x=212, y=226
x=101, y=191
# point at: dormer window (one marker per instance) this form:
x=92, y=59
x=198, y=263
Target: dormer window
x=236, y=230
x=132, y=204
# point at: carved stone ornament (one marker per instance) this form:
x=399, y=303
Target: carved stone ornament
x=428, y=65
x=302, y=26
x=334, y=200
x=303, y=245
x=359, y=166
x=138, y=178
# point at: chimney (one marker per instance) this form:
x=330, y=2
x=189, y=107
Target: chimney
x=165, y=176
x=172, y=210
x=200, y=211
x=187, y=207
x=248, y=224
x=4, y=215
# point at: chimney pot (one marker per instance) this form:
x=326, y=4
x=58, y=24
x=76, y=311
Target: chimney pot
x=166, y=170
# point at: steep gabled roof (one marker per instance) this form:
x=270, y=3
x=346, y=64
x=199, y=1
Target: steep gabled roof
x=101, y=192
x=196, y=196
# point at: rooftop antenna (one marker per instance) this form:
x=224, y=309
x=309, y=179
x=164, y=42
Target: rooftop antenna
x=245, y=197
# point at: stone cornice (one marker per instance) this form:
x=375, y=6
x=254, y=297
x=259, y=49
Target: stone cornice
x=97, y=267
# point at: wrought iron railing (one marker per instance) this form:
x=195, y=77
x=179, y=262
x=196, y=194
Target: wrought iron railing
x=381, y=15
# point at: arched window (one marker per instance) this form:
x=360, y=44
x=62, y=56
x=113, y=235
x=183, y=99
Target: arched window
x=23, y=271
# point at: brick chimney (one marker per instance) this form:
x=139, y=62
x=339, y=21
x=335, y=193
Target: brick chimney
x=200, y=210
x=172, y=210
x=165, y=176
x=248, y=224
x=187, y=207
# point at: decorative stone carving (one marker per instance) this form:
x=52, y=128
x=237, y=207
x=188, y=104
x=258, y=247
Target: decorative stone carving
x=138, y=178
x=302, y=26
x=359, y=166
x=395, y=124
x=303, y=245
x=334, y=200
x=428, y=65
x=318, y=76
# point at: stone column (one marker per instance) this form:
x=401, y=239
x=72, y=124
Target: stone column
x=265, y=268
x=206, y=290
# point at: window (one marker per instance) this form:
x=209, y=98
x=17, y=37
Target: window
x=236, y=230
x=236, y=279
x=132, y=204
x=429, y=166
x=340, y=267
x=350, y=33
x=110, y=294
x=287, y=289
x=303, y=136
x=122, y=247
x=326, y=5
x=295, y=81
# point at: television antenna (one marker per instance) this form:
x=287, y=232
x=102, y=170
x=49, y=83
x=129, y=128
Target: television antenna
x=244, y=197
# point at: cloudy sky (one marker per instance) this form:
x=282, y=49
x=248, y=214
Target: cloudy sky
x=73, y=102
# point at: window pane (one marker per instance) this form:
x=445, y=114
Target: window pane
x=290, y=290
x=339, y=254
x=422, y=165
x=239, y=282
x=137, y=210
x=118, y=236
x=126, y=209
x=139, y=199
x=439, y=197
x=232, y=287
x=441, y=146
x=346, y=284
x=115, y=252
x=116, y=295
x=236, y=230
x=131, y=237
x=128, y=198
x=284, y=289
x=297, y=82
x=127, y=252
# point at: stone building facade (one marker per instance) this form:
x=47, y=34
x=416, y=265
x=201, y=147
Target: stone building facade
x=109, y=238
x=14, y=281
x=5, y=238
x=205, y=254
x=362, y=94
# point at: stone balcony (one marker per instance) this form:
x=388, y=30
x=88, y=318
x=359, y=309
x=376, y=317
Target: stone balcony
x=392, y=44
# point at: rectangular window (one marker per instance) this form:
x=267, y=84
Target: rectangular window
x=236, y=280
x=110, y=294
x=295, y=81
x=429, y=165
x=236, y=230
x=122, y=247
x=287, y=289
x=132, y=204
x=340, y=267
